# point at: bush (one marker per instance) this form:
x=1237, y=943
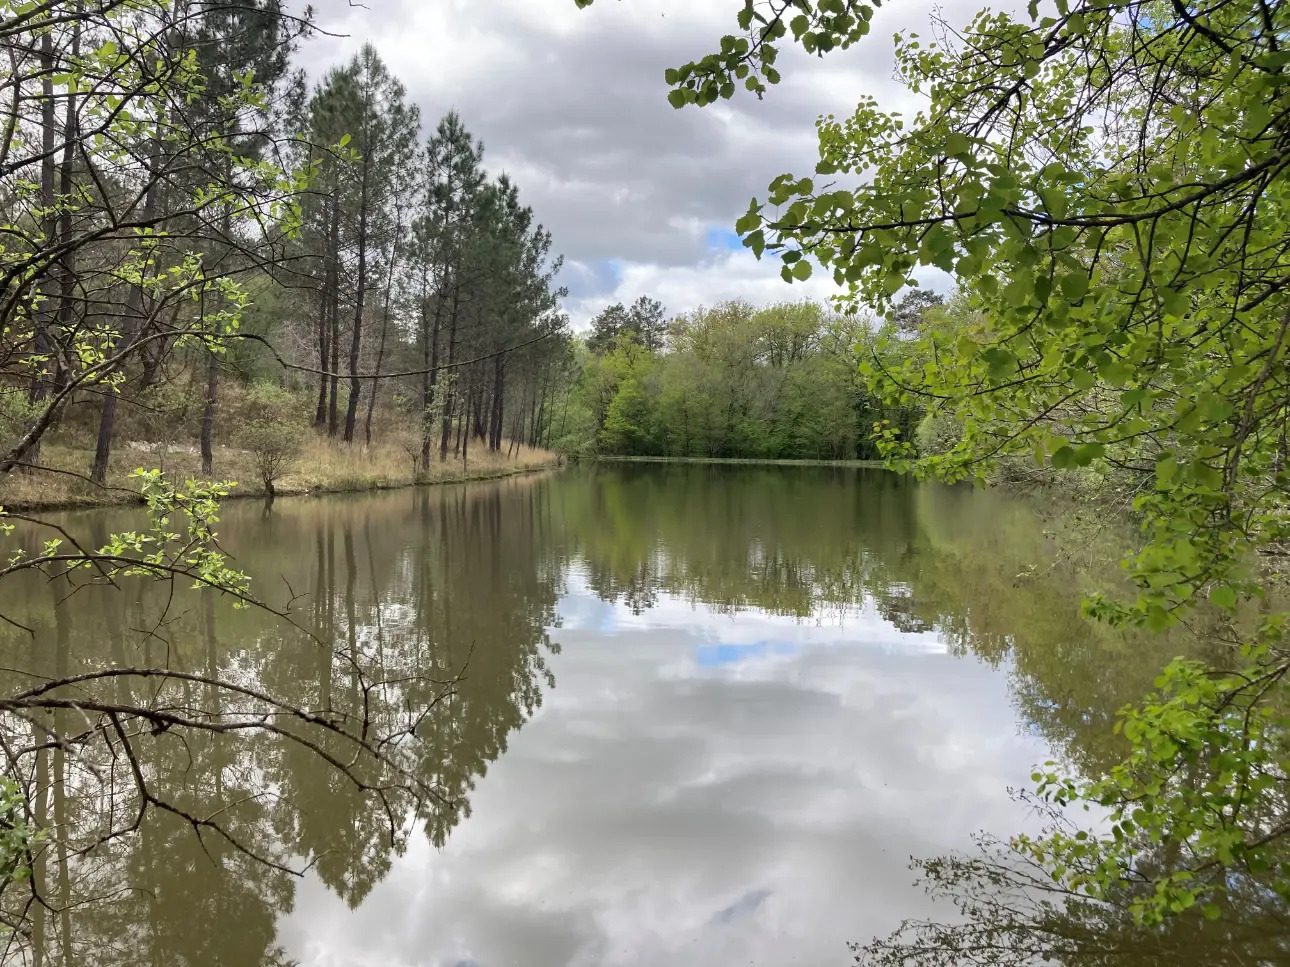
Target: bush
x=272, y=431
x=16, y=415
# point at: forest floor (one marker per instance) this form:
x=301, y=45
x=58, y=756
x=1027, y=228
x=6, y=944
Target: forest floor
x=322, y=466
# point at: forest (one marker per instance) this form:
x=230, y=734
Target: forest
x=732, y=380
x=217, y=269
x=241, y=256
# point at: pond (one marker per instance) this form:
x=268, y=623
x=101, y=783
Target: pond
x=681, y=715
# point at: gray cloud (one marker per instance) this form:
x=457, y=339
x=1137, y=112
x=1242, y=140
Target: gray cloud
x=573, y=104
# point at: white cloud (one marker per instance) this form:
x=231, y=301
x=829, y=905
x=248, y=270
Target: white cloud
x=573, y=104
x=728, y=275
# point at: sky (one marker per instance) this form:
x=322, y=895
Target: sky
x=641, y=199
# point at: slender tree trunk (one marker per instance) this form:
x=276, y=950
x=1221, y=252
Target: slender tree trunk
x=212, y=363
x=71, y=126
x=320, y=412
x=385, y=324
x=356, y=343
x=429, y=382
x=326, y=292
x=44, y=316
x=333, y=423
x=465, y=437
x=463, y=420
x=449, y=399
x=208, y=415
x=477, y=410
x=499, y=391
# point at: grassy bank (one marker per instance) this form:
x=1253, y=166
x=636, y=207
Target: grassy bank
x=739, y=461
x=323, y=466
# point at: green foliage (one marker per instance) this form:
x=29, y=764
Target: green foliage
x=1186, y=785
x=1108, y=185
x=191, y=553
x=735, y=381
x=16, y=834
x=273, y=431
x=16, y=414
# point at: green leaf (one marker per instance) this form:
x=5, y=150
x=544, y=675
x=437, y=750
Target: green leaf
x=1074, y=285
x=1063, y=458
x=1224, y=597
x=957, y=144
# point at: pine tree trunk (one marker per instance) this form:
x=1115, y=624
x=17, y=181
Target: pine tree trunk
x=208, y=416
x=429, y=382
x=326, y=296
x=66, y=302
x=499, y=390
x=356, y=343
x=43, y=318
x=334, y=388
x=212, y=365
x=449, y=400
x=385, y=324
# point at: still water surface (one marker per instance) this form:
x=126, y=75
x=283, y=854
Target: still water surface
x=706, y=717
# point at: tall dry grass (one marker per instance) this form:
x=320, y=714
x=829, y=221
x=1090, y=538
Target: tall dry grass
x=322, y=466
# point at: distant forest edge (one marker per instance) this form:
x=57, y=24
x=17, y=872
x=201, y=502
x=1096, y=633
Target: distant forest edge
x=734, y=381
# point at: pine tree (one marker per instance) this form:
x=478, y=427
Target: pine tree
x=452, y=180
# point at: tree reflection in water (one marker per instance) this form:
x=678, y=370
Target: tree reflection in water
x=426, y=614
x=418, y=645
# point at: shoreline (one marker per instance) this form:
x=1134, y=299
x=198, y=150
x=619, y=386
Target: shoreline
x=122, y=497
x=740, y=461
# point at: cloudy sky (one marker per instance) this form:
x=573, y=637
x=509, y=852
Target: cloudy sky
x=640, y=198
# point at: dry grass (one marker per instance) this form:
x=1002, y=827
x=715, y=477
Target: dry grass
x=323, y=466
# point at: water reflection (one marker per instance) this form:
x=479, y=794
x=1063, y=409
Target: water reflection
x=431, y=614
x=774, y=686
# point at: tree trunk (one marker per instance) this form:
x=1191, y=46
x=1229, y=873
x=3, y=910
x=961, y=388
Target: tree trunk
x=462, y=421
x=356, y=343
x=66, y=303
x=334, y=388
x=212, y=364
x=208, y=417
x=326, y=292
x=45, y=315
x=429, y=381
x=385, y=324
x=449, y=399
x=465, y=436
x=499, y=389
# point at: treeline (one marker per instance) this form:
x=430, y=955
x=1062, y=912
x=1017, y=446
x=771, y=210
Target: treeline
x=781, y=382
x=443, y=264
x=203, y=249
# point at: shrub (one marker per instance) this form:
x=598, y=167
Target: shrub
x=272, y=432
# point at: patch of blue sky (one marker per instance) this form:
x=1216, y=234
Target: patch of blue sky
x=714, y=656
x=722, y=239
